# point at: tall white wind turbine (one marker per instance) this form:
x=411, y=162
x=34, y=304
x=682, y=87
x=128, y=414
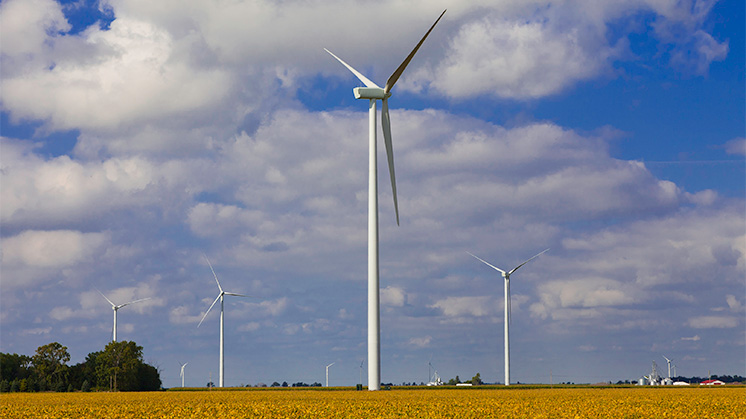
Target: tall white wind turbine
x=373, y=92
x=116, y=308
x=181, y=374
x=221, y=296
x=327, y=373
x=669, y=365
x=506, y=276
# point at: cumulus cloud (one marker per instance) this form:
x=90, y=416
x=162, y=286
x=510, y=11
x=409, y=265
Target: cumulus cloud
x=393, y=296
x=736, y=146
x=515, y=59
x=51, y=248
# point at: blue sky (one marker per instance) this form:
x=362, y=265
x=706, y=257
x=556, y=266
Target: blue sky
x=138, y=136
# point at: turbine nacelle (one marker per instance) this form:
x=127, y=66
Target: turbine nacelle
x=370, y=93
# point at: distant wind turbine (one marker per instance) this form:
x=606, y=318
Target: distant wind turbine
x=327, y=373
x=373, y=92
x=220, y=297
x=506, y=276
x=668, y=361
x=181, y=374
x=116, y=308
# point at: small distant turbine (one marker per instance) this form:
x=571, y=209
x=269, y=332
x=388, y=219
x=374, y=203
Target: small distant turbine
x=116, y=308
x=327, y=373
x=181, y=374
x=373, y=92
x=668, y=361
x=220, y=297
x=506, y=276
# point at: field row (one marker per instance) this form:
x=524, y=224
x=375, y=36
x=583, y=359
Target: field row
x=472, y=403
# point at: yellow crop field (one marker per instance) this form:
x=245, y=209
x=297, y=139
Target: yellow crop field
x=441, y=403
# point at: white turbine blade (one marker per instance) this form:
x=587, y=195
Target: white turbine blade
x=208, y=310
x=133, y=302
x=395, y=76
x=386, y=125
x=487, y=263
x=213, y=272
x=102, y=294
x=516, y=268
x=357, y=74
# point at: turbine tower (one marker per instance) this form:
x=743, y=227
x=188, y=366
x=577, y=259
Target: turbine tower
x=116, y=309
x=668, y=361
x=373, y=92
x=221, y=296
x=181, y=374
x=506, y=276
x=327, y=373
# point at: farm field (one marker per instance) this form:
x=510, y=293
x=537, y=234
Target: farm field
x=440, y=403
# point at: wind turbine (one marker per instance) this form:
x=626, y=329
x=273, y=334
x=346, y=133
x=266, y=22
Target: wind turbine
x=668, y=361
x=181, y=374
x=327, y=373
x=221, y=296
x=116, y=309
x=373, y=92
x=506, y=276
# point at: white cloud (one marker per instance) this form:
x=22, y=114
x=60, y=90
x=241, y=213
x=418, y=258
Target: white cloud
x=421, y=342
x=736, y=146
x=733, y=303
x=517, y=59
x=694, y=338
x=108, y=78
x=36, y=331
x=393, y=297
x=713, y=322
x=51, y=249
x=26, y=25
x=465, y=306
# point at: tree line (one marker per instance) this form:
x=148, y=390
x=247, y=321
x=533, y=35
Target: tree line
x=118, y=367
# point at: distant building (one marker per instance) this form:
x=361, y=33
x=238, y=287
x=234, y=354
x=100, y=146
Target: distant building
x=712, y=383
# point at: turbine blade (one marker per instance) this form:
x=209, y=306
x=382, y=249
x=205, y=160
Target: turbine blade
x=395, y=76
x=386, y=125
x=208, y=310
x=357, y=74
x=239, y=295
x=516, y=268
x=487, y=263
x=213, y=272
x=136, y=301
x=102, y=294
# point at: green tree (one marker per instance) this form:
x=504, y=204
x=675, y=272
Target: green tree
x=86, y=371
x=86, y=387
x=14, y=366
x=476, y=380
x=50, y=363
x=118, y=364
x=148, y=378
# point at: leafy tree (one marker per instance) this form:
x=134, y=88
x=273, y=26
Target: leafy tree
x=85, y=387
x=23, y=386
x=85, y=371
x=14, y=366
x=50, y=363
x=14, y=386
x=476, y=380
x=4, y=386
x=148, y=378
x=119, y=364
x=275, y=384
x=454, y=381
